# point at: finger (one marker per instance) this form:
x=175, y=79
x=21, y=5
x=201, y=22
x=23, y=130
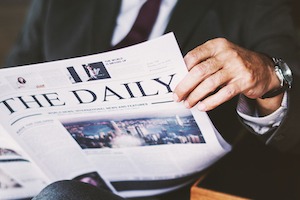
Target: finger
x=224, y=94
x=207, y=87
x=195, y=76
x=199, y=54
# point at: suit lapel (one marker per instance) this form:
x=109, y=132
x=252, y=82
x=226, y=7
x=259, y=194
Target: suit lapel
x=105, y=14
x=186, y=15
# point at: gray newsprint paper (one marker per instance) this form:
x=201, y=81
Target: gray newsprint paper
x=107, y=119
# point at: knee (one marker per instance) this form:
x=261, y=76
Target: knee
x=73, y=190
x=65, y=189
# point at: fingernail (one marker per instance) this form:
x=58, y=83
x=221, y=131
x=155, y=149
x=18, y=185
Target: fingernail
x=201, y=107
x=175, y=97
x=186, y=104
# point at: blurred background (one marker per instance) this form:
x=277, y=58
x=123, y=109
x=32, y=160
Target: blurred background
x=12, y=13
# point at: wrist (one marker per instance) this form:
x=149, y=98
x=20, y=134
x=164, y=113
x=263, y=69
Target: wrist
x=283, y=79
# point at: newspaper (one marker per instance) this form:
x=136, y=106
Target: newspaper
x=107, y=119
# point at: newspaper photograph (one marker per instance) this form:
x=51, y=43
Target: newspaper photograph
x=110, y=120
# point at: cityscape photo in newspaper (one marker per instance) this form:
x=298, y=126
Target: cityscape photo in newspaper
x=164, y=127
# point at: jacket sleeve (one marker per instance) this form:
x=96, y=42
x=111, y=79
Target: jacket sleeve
x=270, y=29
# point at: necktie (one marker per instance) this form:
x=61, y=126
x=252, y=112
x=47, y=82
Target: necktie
x=143, y=24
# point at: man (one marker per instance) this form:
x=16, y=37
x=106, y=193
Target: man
x=228, y=46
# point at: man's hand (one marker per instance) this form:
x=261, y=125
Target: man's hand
x=220, y=70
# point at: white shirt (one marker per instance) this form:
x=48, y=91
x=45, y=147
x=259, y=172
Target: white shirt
x=128, y=13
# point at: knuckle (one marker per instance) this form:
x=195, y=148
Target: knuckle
x=216, y=80
x=230, y=91
x=205, y=67
x=212, y=82
x=222, y=42
x=235, y=55
x=209, y=63
x=198, y=70
x=191, y=56
x=250, y=93
x=211, y=44
x=193, y=97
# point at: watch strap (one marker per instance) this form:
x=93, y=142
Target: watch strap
x=276, y=92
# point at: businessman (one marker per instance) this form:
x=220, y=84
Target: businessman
x=243, y=63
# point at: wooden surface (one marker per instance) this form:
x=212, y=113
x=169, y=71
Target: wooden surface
x=200, y=193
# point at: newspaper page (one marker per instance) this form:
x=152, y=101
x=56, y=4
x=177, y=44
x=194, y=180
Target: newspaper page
x=111, y=118
x=19, y=177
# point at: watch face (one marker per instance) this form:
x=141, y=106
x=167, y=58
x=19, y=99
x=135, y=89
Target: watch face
x=286, y=72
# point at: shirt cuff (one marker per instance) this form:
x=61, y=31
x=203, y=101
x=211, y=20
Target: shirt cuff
x=261, y=125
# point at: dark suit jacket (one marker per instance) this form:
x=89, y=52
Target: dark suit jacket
x=58, y=29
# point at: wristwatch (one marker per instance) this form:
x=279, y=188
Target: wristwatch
x=284, y=74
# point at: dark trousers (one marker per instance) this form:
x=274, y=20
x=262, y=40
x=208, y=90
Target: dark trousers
x=75, y=190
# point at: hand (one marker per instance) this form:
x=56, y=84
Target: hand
x=220, y=70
